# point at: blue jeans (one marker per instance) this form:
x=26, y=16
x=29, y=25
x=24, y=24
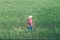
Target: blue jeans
x=29, y=28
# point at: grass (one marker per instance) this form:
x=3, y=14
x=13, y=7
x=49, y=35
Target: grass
x=46, y=19
x=43, y=33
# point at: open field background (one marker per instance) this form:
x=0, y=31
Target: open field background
x=46, y=18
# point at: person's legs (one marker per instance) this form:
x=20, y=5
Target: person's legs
x=29, y=28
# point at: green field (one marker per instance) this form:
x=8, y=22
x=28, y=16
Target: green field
x=46, y=19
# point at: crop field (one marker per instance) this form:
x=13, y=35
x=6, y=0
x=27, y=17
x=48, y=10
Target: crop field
x=46, y=19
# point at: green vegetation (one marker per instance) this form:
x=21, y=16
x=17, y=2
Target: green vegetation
x=46, y=18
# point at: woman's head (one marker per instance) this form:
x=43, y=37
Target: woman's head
x=29, y=17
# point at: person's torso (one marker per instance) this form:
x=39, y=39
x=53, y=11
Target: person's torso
x=29, y=21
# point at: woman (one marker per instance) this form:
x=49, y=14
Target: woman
x=30, y=23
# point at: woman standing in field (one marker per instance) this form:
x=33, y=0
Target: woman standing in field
x=30, y=23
